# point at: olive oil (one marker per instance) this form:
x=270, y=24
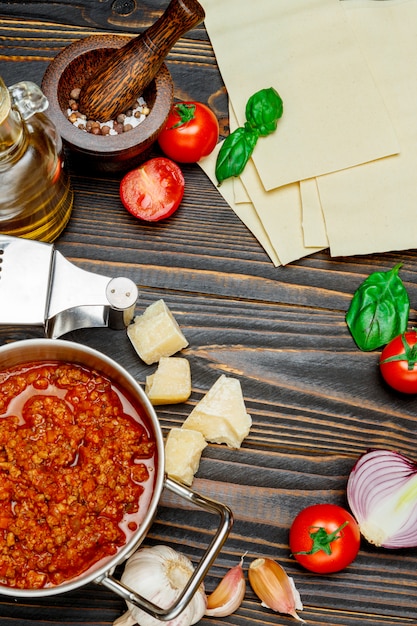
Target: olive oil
x=36, y=198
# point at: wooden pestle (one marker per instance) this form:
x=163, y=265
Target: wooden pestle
x=121, y=79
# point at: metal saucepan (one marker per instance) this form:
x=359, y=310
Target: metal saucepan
x=31, y=350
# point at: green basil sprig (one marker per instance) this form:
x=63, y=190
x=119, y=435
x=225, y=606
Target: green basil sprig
x=263, y=110
x=379, y=309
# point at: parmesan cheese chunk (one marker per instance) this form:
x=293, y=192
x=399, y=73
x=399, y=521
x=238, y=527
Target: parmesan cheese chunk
x=156, y=333
x=171, y=382
x=183, y=450
x=221, y=415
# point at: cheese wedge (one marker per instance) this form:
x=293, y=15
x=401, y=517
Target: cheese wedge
x=221, y=415
x=183, y=450
x=171, y=382
x=156, y=333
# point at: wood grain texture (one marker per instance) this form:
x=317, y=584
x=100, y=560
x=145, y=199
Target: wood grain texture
x=316, y=401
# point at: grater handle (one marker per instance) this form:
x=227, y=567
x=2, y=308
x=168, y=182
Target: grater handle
x=82, y=299
x=40, y=287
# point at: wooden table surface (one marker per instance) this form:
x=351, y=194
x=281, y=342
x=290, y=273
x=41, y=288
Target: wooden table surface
x=316, y=401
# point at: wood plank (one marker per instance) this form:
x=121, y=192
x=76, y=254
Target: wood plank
x=316, y=401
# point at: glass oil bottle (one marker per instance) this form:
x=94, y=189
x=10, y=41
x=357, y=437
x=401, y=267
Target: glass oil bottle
x=36, y=197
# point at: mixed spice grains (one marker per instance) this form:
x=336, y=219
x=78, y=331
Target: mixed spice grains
x=123, y=123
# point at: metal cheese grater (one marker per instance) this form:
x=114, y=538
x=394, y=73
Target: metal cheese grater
x=40, y=287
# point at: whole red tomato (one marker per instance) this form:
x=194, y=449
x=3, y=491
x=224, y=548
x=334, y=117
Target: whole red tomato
x=154, y=190
x=324, y=538
x=398, y=362
x=191, y=132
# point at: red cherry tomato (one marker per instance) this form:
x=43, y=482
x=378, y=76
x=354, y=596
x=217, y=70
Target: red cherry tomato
x=154, y=190
x=191, y=132
x=398, y=362
x=324, y=538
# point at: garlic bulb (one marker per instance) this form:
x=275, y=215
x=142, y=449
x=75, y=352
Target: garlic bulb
x=159, y=574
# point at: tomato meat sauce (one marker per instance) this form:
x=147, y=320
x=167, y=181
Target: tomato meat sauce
x=76, y=461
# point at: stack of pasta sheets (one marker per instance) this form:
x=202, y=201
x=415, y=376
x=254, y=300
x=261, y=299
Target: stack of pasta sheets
x=340, y=170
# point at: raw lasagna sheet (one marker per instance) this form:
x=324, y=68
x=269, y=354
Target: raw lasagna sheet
x=275, y=217
x=334, y=116
x=313, y=224
x=353, y=185
x=244, y=209
x=373, y=208
x=280, y=212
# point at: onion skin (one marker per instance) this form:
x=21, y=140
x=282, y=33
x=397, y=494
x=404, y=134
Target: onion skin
x=382, y=495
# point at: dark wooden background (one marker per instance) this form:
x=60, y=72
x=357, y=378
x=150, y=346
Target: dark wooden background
x=316, y=401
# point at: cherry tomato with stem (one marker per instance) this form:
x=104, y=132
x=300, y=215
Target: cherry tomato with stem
x=324, y=538
x=191, y=132
x=398, y=362
x=154, y=190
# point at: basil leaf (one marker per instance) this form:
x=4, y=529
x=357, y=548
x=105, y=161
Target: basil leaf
x=379, y=310
x=263, y=110
x=235, y=152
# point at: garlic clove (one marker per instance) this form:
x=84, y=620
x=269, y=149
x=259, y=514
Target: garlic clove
x=229, y=593
x=274, y=588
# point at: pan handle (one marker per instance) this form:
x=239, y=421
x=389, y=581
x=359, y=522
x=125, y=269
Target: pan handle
x=225, y=524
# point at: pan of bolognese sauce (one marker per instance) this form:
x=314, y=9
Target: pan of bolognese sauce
x=81, y=473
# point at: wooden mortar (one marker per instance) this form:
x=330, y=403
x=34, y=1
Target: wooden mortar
x=73, y=67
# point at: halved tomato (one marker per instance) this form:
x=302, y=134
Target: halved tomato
x=154, y=190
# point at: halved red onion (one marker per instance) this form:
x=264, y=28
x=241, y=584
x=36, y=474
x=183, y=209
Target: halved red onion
x=382, y=494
